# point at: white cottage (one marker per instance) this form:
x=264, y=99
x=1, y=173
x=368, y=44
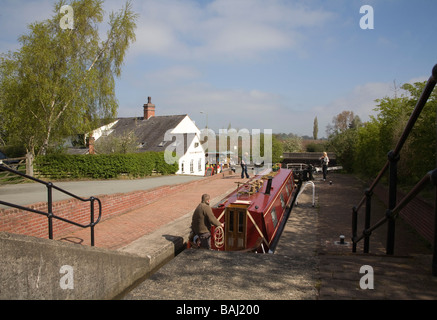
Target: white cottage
x=161, y=133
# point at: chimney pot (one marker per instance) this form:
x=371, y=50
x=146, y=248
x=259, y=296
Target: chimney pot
x=149, y=109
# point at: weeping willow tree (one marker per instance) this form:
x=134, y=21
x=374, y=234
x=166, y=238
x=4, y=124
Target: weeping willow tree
x=62, y=79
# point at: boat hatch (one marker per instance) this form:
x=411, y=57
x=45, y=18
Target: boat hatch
x=236, y=223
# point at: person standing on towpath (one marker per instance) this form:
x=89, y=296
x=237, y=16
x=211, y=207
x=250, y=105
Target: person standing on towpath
x=325, y=162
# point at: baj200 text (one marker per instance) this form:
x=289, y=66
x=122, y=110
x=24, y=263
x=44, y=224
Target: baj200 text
x=233, y=310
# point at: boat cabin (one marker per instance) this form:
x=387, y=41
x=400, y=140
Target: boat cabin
x=255, y=213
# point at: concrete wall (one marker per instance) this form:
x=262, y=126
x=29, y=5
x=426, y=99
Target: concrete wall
x=40, y=269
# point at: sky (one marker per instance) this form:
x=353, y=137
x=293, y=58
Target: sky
x=261, y=64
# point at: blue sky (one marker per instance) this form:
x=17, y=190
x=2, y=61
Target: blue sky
x=261, y=64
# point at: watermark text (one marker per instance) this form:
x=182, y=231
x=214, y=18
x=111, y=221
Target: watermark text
x=67, y=280
x=67, y=21
x=367, y=20
x=366, y=281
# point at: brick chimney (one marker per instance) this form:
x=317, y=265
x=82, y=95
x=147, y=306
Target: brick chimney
x=149, y=109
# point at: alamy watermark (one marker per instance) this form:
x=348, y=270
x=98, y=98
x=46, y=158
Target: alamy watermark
x=366, y=281
x=67, y=280
x=67, y=21
x=226, y=144
x=367, y=20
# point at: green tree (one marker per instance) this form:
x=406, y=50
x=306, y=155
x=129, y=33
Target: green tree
x=315, y=128
x=343, y=135
x=342, y=122
x=344, y=146
x=376, y=138
x=61, y=81
x=125, y=143
x=419, y=152
x=277, y=150
x=368, y=158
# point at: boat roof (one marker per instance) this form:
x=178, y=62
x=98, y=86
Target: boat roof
x=256, y=200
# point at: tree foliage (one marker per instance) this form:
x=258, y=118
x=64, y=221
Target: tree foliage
x=315, y=128
x=363, y=149
x=126, y=143
x=61, y=81
x=277, y=150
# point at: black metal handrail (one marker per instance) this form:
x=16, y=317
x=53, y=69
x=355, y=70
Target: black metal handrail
x=391, y=166
x=49, y=214
x=430, y=177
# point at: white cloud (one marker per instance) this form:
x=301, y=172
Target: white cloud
x=222, y=28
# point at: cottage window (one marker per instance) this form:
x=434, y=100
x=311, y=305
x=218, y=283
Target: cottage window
x=192, y=166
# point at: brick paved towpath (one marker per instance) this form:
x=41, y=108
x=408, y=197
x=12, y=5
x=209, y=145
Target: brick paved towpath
x=121, y=230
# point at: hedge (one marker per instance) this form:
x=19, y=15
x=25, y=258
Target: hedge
x=102, y=166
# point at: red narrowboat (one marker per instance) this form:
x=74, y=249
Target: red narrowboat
x=255, y=213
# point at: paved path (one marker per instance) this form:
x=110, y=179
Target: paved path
x=29, y=193
x=404, y=276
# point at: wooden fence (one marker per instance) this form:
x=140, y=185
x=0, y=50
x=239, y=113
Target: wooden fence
x=23, y=164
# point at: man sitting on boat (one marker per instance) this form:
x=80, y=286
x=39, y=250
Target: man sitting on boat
x=203, y=219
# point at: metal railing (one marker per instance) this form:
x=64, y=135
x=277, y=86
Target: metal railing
x=394, y=208
x=49, y=214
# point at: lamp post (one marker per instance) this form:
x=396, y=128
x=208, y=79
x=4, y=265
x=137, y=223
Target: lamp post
x=206, y=113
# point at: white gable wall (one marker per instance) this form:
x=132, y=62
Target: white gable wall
x=186, y=126
x=104, y=130
x=193, y=161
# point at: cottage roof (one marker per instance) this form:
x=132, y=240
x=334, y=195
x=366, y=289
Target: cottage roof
x=149, y=132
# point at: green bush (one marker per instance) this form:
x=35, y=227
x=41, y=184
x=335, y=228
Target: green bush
x=103, y=166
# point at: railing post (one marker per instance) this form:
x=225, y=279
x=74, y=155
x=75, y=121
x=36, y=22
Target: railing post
x=50, y=209
x=393, y=177
x=434, y=181
x=354, y=228
x=434, y=252
x=367, y=219
x=92, y=221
